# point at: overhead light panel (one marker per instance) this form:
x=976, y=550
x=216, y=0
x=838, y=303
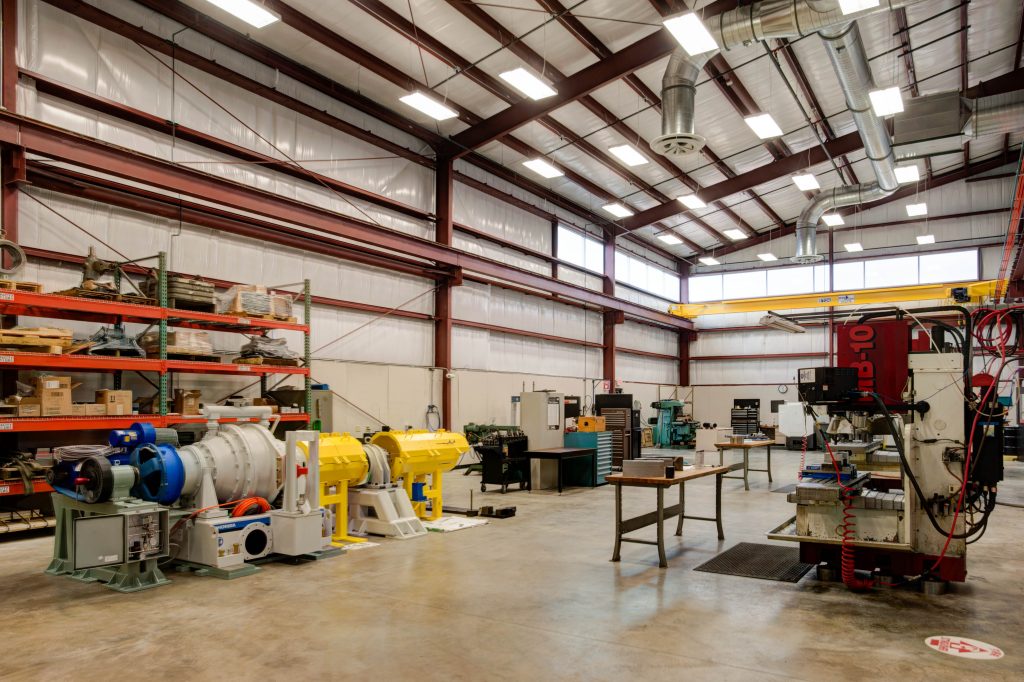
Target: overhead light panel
x=915, y=210
x=691, y=33
x=670, y=239
x=926, y=239
x=692, y=201
x=708, y=260
x=887, y=101
x=735, y=235
x=618, y=210
x=782, y=323
x=832, y=219
x=905, y=174
x=853, y=247
x=767, y=257
x=806, y=182
x=249, y=12
x=543, y=168
x=629, y=155
x=429, y=106
x=764, y=126
x=851, y=6
x=528, y=84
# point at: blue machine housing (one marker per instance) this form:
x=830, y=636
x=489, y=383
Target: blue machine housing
x=161, y=473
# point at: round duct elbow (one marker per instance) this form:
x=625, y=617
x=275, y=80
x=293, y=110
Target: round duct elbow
x=678, y=144
x=807, y=259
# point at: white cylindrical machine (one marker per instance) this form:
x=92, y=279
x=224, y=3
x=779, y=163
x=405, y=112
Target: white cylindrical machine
x=243, y=459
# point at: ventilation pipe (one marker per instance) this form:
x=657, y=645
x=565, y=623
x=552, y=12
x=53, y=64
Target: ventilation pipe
x=678, y=111
x=995, y=114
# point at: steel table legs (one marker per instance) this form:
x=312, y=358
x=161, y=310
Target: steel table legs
x=662, y=561
x=618, y=521
x=682, y=508
x=718, y=506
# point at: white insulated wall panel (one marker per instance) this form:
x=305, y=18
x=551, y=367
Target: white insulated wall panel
x=500, y=219
x=759, y=342
x=647, y=338
x=647, y=370
x=504, y=308
x=516, y=259
x=480, y=349
x=745, y=372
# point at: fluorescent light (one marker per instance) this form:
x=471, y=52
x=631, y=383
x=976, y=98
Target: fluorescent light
x=618, y=210
x=806, y=182
x=767, y=257
x=691, y=33
x=543, y=168
x=628, y=155
x=782, y=323
x=914, y=210
x=708, y=260
x=853, y=247
x=247, y=11
x=692, y=201
x=906, y=174
x=832, y=219
x=887, y=101
x=429, y=106
x=926, y=239
x=735, y=235
x=528, y=84
x=764, y=126
x=851, y=6
x=670, y=239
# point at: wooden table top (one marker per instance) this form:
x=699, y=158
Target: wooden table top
x=745, y=444
x=680, y=477
x=558, y=452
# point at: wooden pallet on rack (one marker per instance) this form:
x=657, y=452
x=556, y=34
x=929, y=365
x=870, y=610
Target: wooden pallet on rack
x=36, y=340
x=274, y=318
x=274, y=362
x=12, y=285
x=100, y=295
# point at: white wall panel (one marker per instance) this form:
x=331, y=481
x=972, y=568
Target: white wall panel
x=637, y=368
x=757, y=342
x=746, y=372
x=579, y=278
x=517, y=259
x=500, y=219
x=479, y=349
x=647, y=338
x=503, y=308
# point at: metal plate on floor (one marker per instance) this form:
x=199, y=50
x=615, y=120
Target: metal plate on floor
x=791, y=488
x=754, y=560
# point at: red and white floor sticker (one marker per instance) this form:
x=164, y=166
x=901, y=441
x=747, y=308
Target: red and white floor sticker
x=964, y=647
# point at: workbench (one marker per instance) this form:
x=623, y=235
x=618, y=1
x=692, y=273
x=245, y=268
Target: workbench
x=661, y=484
x=562, y=454
x=745, y=446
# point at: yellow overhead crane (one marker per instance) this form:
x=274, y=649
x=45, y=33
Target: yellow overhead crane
x=977, y=291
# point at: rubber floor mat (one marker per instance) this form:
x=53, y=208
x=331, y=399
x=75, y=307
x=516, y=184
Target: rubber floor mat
x=753, y=560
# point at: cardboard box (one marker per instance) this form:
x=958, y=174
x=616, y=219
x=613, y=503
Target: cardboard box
x=187, y=402
x=78, y=410
x=30, y=407
x=116, y=402
x=49, y=381
x=95, y=410
x=590, y=424
x=54, y=401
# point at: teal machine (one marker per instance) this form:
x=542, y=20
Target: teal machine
x=672, y=428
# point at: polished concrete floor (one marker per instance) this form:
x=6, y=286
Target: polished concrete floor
x=529, y=598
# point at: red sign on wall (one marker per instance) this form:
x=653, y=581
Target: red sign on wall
x=879, y=351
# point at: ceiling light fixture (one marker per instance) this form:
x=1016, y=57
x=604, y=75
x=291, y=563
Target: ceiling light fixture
x=708, y=260
x=629, y=155
x=249, y=12
x=528, y=84
x=767, y=257
x=782, y=323
x=853, y=247
x=670, y=239
x=915, y=210
x=833, y=219
x=887, y=101
x=926, y=239
x=543, y=168
x=806, y=182
x=691, y=33
x=429, y=106
x=618, y=210
x=905, y=174
x=735, y=235
x=764, y=126
x=851, y=6
x=692, y=201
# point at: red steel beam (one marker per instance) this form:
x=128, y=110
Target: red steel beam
x=646, y=354
x=12, y=158
x=444, y=194
x=62, y=145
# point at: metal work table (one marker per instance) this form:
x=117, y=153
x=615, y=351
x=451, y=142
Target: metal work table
x=660, y=483
x=745, y=446
x=562, y=454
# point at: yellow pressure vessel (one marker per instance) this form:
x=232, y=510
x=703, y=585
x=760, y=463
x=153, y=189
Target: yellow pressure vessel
x=415, y=455
x=342, y=464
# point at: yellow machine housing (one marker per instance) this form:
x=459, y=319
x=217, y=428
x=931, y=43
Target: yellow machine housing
x=342, y=464
x=416, y=455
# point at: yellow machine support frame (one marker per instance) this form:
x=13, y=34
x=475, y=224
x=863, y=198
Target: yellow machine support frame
x=342, y=464
x=859, y=297
x=417, y=455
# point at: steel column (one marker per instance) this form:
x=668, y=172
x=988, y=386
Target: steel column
x=444, y=189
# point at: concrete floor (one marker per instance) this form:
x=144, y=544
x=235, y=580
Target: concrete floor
x=533, y=597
